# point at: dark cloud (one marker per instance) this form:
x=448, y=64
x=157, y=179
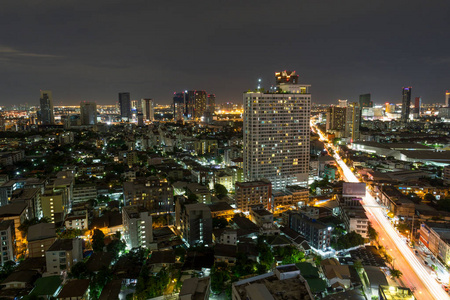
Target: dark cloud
x=90, y=50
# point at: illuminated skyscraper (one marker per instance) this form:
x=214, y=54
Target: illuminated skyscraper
x=336, y=116
x=147, y=109
x=406, y=103
x=88, y=112
x=211, y=106
x=179, y=106
x=125, y=105
x=46, y=108
x=195, y=102
x=352, y=121
x=364, y=101
x=447, y=99
x=277, y=133
x=417, y=106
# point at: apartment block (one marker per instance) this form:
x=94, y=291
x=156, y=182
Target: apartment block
x=63, y=254
x=253, y=193
x=137, y=226
x=155, y=194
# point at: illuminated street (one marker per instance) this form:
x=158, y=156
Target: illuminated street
x=415, y=275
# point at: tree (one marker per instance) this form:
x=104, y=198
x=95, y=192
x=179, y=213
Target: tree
x=219, y=276
x=373, y=234
x=219, y=222
x=116, y=247
x=98, y=240
x=351, y=239
x=98, y=282
x=103, y=199
x=220, y=190
x=396, y=273
x=79, y=270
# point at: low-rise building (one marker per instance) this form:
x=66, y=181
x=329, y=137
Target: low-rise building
x=84, y=192
x=7, y=236
x=436, y=237
x=195, y=288
x=155, y=194
x=316, y=233
x=137, y=227
x=77, y=289
x=200, y=191
x=40, y=238
x=221, y=210
x=252, y=193
x=389, y=292
x=196, y=224
x=261, y=216
x=63, y=254
x=77, y=220
x=18, y=213
x=285, y=282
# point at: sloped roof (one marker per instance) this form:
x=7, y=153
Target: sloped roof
x=74, y=288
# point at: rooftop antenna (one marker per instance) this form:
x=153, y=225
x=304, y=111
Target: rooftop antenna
x=259, y=84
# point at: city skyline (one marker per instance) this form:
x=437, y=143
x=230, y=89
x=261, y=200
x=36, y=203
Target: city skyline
x=343, y=50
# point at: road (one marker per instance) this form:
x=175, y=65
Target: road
x=415, y=275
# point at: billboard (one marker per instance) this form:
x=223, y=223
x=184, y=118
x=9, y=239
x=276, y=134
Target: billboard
x=354, y=189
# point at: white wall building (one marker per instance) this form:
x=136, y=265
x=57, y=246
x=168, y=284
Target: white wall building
x=277, y=133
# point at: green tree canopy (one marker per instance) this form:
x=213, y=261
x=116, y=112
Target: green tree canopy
x=219, y=222
x=220, y=190
x=98, y=240
x=351, y=239
x=116, y=247
x=79, y=270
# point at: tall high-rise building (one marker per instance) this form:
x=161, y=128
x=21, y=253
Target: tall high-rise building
x=179, y=106
x=211, y=106
x=277, y=133
x=200, y=104
x=353, y=112
x=125, y=105
x=189, y=103
x=406, y=103
x=365, y=101
x=195, y=104
x=447, y=99
x=417, y=106
x=147, y=109
x=88, y=112
x=46, y=108
x=336, y=119
x=390, y=108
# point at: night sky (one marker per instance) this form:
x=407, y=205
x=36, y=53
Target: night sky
x=91, y=50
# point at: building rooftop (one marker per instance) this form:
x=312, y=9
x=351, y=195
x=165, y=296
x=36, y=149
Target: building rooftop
x=41, y=231
x=5, y=224
x=74, y=288
x=270, y=287
x=111, y=290
x=46, y=285
x=196, y=287
x=220, y=206
x=162, y=257
x=395, y=293
x=253, y=183
x=98, y=260
x=13, y=209
x=62, y=245
x=27, y=276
